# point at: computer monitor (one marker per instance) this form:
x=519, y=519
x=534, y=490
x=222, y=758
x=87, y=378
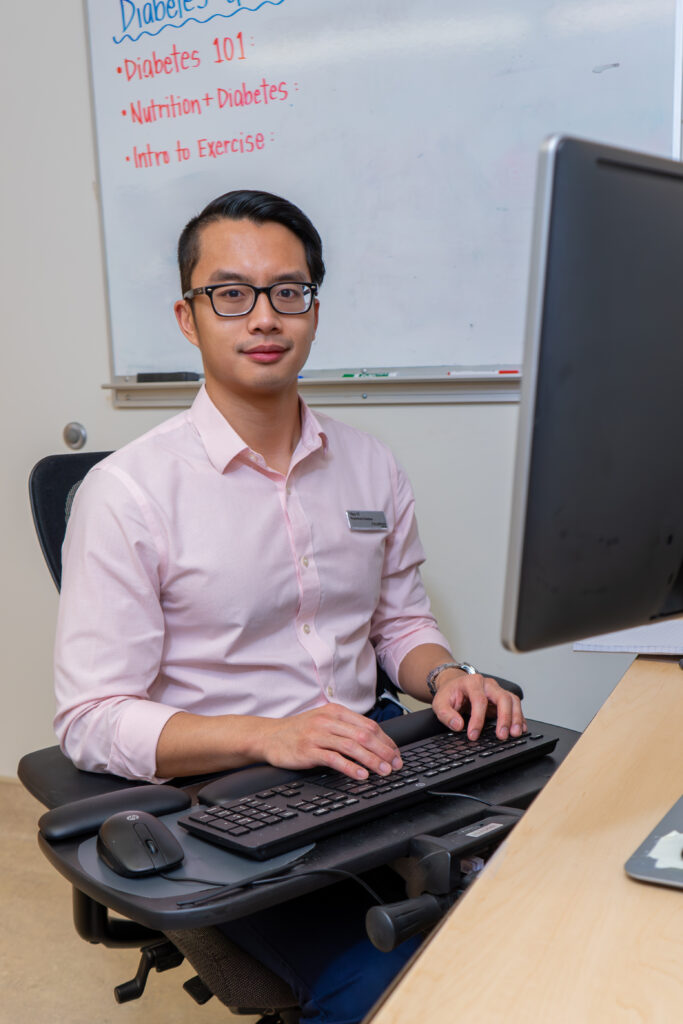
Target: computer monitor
x=596, y=538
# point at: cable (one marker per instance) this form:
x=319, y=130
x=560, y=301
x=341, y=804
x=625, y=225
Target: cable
x=226, y=890
x=500, y=808
x=465, y=796
x=224, y=885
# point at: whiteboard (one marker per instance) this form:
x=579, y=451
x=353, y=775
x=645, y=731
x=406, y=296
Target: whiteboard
x=407, y=131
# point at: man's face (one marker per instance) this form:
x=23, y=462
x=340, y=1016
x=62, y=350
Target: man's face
x=263, y=351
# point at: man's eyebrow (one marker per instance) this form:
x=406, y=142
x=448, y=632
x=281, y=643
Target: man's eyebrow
x=225, y=275
x=233, y=275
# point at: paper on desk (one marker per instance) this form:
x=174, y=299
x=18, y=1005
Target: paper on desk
x=665, y=637
x=668, y=851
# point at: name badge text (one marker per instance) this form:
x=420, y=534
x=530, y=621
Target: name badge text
x=366, y=520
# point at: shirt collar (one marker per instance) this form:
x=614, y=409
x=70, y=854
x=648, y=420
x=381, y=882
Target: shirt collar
x=312, y=434
x=223, y=443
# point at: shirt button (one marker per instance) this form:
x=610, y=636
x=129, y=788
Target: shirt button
x=307, y=628
x=304, y=562
x=330, y=691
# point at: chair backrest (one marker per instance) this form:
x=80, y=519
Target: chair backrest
x=51, y=487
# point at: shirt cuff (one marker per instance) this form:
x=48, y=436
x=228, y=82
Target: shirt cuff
x=134, y=749
x=391, y=658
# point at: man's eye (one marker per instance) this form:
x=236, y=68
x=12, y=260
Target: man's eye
x=230, y=293
x=288, y=292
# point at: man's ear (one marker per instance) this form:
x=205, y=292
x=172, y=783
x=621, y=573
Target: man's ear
x=185, y=316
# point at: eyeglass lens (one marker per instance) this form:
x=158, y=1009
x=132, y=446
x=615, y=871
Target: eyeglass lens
x=286, y=297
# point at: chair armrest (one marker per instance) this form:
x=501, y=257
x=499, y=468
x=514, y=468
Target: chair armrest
x=53, y=779
x=510, y=686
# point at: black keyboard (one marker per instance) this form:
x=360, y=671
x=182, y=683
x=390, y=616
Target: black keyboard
x=310, y=805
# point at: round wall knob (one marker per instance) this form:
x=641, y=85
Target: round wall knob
x=75, y=435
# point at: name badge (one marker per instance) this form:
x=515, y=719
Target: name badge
x=366, y=520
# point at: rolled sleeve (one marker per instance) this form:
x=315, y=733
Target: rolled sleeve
x=133, y=750
x=403, y=619
x=110, y=633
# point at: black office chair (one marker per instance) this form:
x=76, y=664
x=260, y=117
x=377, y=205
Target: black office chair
x=239, y=981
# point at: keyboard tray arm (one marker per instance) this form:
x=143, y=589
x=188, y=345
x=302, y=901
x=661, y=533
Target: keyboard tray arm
x=437, y=871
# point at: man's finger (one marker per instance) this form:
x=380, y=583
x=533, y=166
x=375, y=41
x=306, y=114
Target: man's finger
x=358, y=739
x=503, y=703
x=478, y=705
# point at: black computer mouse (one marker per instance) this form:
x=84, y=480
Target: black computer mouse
x=135, y=843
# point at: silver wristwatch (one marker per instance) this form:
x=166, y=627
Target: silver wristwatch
x=434, y=674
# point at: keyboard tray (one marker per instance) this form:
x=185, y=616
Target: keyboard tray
x=302, y=807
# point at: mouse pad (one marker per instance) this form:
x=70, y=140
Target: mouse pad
x=659, y=858
x=202, y=860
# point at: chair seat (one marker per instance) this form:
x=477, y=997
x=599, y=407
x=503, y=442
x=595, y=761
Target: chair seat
x=233, y=976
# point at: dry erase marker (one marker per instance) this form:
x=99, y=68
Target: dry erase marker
x=365, y=374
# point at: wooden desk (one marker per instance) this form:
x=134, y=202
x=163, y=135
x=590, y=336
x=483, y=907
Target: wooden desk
x=554, y=931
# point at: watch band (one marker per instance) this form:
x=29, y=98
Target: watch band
x=434, y=674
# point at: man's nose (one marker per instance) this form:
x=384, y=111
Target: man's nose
x=263, y=316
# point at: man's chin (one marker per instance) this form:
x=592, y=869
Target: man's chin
x=270, y=379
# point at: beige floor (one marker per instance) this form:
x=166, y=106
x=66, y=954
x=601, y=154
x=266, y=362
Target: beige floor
x=48, y=974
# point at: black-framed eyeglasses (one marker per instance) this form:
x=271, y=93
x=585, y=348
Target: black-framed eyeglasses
x=234, y=298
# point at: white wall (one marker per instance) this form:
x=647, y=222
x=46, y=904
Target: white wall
x=54, y=345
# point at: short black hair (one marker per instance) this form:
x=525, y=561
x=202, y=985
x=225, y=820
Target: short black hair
x=259, y=207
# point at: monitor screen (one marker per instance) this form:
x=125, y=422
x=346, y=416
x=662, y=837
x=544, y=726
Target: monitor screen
x=596, y=537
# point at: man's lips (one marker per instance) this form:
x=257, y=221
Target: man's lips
x=265, y=353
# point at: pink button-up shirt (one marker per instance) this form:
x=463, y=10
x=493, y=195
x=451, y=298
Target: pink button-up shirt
x=196, y=578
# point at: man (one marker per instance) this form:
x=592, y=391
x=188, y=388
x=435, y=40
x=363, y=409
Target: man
x=218, y=609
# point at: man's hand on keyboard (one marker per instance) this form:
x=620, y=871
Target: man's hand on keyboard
x=333, y=737
x=463, y=699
